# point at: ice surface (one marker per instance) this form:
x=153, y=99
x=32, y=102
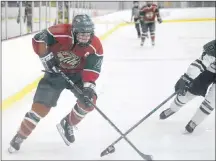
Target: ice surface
x=134, y=80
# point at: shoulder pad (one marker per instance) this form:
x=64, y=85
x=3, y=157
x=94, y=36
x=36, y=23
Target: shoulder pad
x=210, y=48
x=97, y=45
x=60, y=29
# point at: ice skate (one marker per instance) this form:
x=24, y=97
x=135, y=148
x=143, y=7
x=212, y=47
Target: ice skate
x=166, y=113
x=66, y=131
x=190, y=127
x=142, y=41
x=16, y=143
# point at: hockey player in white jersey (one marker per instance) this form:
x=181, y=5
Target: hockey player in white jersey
x=199, y=80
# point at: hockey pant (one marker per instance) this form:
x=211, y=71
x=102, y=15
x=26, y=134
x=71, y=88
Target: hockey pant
x=148, y=27
x=137, y=26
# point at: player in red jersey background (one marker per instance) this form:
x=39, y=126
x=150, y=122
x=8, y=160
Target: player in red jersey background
x=148, y=13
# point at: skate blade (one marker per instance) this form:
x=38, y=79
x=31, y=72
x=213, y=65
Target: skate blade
x=11, y=150
x=61, y=132
x=185, y=132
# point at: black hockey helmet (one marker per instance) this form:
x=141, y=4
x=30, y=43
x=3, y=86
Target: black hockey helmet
x=136, y=3
x=82, y=29
x=149, y=3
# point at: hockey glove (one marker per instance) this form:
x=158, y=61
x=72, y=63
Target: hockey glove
x=50, y=62
x=24, y=18
x=159, y=20
x=18, y=20
x=88, y=93
x=183, y=84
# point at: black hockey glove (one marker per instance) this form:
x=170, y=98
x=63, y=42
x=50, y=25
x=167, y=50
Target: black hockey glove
x=88, y=93
x=159, y=20
x=50, y=62
x=24, y=19
x=183, y=84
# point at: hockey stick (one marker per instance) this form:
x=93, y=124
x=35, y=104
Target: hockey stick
x=111, y=148
x=144, y=156
x=128, y=22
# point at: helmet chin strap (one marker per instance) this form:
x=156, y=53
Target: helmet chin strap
x=73, y=38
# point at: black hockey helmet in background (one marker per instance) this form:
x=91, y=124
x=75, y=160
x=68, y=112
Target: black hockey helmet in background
x=135, y=3
x=149, y=3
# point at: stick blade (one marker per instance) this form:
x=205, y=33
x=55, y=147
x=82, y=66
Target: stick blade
x=103, y=153
x=110, y=149
x=147, y=157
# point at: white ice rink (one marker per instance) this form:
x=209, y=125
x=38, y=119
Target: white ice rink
x=134, y=80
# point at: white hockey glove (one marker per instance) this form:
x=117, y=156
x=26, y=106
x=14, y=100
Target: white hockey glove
x=89, y=93
x=50, y=62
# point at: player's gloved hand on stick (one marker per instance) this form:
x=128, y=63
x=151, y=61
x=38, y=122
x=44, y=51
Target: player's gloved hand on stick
x=50, y=62
x=183, y=84
x=88, y=93
x=159, y=20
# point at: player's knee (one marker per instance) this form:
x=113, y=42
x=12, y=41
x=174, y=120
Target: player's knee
x=37, y=112
x=40, y=109
x=145, y=35
x=152, y=33
x=181, y=100
x=208, y=105
x=32, y=118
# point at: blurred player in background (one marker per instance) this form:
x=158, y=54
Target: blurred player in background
x=135, y=17
x=27, y=15
x=199, y=80
x=60, y=12
x=18, y=16
x=148, y=13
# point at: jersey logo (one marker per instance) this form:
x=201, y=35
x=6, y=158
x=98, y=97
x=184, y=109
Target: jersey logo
x=68, y=60
x=149, y=15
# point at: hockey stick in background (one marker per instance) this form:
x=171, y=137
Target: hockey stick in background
x=128, y=22
x=111, y=148
x=144, y=156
